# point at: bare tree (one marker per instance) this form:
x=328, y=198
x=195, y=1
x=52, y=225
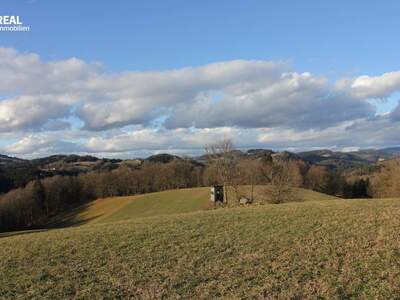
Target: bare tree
x=221, y=154
x=249, y=174
x=279, y=178
x=317, y=178
x=281, y=183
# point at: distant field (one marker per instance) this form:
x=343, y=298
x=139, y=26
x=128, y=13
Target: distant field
x=162, y=203
x=332, y=249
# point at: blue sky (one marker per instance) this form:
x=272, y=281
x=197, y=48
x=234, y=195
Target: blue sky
x=336, y=40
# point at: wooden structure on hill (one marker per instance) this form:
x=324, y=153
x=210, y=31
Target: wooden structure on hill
x=217, y=194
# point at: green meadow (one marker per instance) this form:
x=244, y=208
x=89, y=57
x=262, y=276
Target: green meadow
x=173, y=245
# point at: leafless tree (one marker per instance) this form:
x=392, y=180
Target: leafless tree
x=281, y=183
x=279, y=177
x=254, y=175
x=222, y=156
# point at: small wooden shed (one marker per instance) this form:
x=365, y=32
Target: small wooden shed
x=217, y=193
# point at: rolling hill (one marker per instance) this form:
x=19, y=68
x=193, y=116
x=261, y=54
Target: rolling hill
x=133, y=207
x=160, y=203
x=337, y=249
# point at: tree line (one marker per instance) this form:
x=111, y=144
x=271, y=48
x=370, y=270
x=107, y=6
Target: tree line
x=278, y=175
x=34, y=205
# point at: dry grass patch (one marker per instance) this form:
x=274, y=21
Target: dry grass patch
x=335, y=249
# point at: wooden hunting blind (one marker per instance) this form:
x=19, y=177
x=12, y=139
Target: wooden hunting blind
x=217, y=193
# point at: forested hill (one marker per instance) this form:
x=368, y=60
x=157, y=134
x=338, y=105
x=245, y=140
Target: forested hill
x=16, y=172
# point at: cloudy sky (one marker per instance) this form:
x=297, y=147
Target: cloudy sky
x=129, y=79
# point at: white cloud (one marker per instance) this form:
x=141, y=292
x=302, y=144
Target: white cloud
x=31, y=112
x=290, y=101
x=362, y=133
x=41, y=145
x=25, y=73
x=258, y=103
x=151, y=139
x=363, y=87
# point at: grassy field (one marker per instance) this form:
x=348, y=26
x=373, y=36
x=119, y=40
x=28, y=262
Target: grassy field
x=161, y=203
x=329, y=249
x=146, y=205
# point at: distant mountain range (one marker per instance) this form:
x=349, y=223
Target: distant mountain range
x=76, y=163
x=15, y=172
x=332, y=159
x=340, y=160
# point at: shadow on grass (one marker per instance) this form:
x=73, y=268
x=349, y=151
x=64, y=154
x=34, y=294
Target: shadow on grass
x=70, y=218
x=70, y=223
x=64, y=220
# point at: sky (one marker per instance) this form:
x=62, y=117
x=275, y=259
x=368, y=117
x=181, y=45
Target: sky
x=132, y=78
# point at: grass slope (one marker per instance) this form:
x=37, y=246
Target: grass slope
x=161, y=203
x=146, y=205
x=331, y=249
